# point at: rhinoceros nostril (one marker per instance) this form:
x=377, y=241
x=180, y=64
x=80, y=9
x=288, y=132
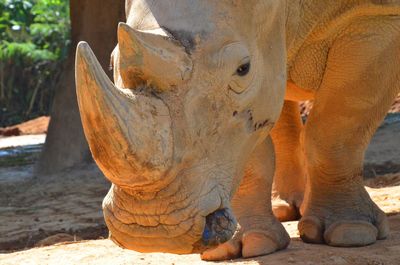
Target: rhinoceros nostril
x=220, y=227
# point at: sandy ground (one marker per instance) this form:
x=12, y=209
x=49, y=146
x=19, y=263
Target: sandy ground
x=35, y=208
x=384, y=190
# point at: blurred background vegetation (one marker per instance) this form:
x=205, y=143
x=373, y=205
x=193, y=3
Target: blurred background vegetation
x=34, y=42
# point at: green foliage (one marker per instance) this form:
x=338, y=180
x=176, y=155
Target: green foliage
x=34, y=42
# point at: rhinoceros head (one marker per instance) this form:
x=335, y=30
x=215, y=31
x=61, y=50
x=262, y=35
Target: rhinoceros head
x=197, y=85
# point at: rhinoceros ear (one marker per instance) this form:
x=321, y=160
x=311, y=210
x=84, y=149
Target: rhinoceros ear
x=151, y=57
x=129, y=134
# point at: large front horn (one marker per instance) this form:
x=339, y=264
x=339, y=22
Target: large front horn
x=151, y=57
x=129, y=133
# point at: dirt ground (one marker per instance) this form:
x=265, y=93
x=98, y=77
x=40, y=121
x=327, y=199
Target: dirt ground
x=32, y=209
x=384, y=190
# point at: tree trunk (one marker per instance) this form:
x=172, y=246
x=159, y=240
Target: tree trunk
x=94, y=21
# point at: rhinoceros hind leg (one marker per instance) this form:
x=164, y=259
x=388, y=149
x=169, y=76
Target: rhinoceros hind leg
x=286, y=211
x=261, y=233
x=290, y=174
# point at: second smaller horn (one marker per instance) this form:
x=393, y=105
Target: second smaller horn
x=151, y=57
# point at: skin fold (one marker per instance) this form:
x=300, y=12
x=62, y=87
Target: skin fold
x=201, y=127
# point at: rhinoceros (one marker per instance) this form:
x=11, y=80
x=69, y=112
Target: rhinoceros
x=203, y=113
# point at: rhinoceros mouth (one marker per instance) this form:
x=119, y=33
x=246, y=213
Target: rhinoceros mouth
x=219, y=227
x=174, y=225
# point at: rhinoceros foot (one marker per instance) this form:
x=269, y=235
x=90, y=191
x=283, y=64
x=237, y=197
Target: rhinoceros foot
x=345, y=223
x=251, y=243
x=287, y=210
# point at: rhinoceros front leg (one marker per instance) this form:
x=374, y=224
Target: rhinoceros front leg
x=360, y=83
x=290, y=173
x=261, y=233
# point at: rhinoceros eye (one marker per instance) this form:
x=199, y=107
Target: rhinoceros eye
x=243, y=70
